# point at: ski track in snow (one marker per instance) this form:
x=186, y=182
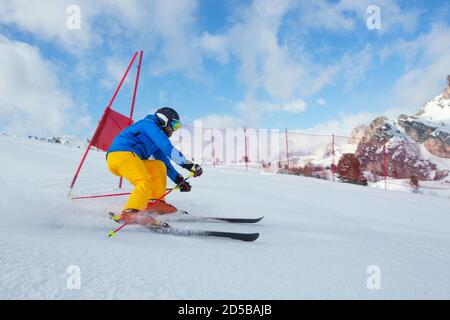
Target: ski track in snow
x=317, y=237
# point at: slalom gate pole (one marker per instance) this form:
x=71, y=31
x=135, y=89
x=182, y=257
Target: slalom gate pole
x=332, y=164
x=245, y=147
x=113, y=233
x=287, y=149
x=79, y=168
x=104, y=195
x=101, y=196
x=385, y=166
x=134, y=98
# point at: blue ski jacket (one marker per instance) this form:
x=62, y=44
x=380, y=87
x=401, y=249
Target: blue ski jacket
x=145, y=138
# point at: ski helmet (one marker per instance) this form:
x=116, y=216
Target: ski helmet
x=168, y=117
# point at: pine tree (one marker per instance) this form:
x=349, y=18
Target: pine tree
x=349, y=169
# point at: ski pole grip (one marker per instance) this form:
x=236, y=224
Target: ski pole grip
x=177, y=187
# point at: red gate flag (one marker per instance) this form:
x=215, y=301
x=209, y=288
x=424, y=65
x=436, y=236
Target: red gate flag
x=111, y=124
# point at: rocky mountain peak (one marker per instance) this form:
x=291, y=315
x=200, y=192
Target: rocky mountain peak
x=358, y=133
x=380, y=129
x=406, y=138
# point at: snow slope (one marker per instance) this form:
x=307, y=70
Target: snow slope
x=317, y=238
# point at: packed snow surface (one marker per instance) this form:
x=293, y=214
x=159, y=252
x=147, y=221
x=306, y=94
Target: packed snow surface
x=318, y=238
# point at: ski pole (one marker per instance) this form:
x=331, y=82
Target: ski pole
x=113, y=233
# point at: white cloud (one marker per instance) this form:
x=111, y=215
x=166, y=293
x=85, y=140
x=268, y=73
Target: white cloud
x=323, y=76
x=294, y=106
x=114, y=71
x=425, y=76
x=162, y=95
x=321, y=102
x=347, y=15
x=343, y=125
x=168, y=29
x=215, y=46
x=251, y=110
x=174, y=24
x=47, y=20
x=164, y=27
x=354, y=66
x=221, y=121
x=419, y=85
x=102, y=21
x=393, y=17
x=268, y=67
x=253, y=41
x=322, y=14
x=272, y=69
x=31, y=101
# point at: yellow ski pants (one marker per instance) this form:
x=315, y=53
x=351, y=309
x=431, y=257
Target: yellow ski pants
x=147, y=176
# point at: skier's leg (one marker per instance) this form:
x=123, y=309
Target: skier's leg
x=158, y=173
x=132, y=168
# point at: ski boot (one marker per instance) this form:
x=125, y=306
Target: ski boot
x=134, y=216
x=160, y=207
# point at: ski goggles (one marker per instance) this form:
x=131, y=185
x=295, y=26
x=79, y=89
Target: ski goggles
x=175, y=124
x=163, y=121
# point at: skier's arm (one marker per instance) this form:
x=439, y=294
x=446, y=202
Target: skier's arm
x=167, y=152
x=172, y=173
x=155, y=134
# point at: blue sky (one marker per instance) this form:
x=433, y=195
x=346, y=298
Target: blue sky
x=311, y=65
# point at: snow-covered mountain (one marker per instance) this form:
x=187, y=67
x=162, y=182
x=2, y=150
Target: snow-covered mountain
x=71, y=141
x=416, y=145
x=431, y=125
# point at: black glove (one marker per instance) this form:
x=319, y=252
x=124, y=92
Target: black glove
x=194, y=168
x=182, y=184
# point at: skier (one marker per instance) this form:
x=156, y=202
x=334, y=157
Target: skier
x=128, y=157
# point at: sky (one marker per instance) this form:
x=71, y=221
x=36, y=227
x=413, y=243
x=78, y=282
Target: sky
x=317, y=66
